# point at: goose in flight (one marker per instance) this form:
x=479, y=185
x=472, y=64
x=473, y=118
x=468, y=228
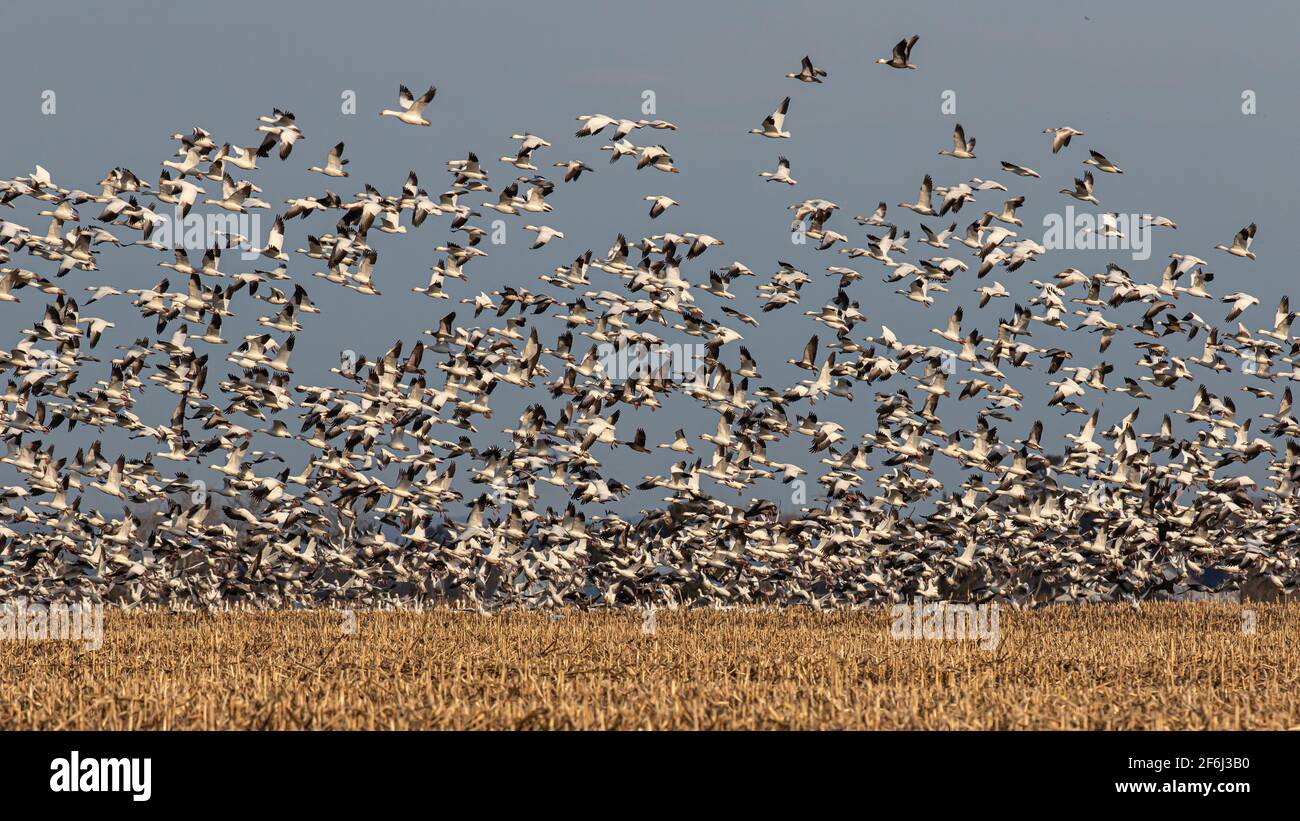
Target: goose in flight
x=876, y=218
x=412, y=108
x=1008, y=214
x=573, y=169
x=1082, y=190
x=1099, y=161
x=1241, y=243
x=902, y=55
x=660, y=205
x=808, y=73
x=1019, y=170
x=334, y=163
x=367, y=511
x=285, y=133
x=1159, y=222
x=922, y=205
x=962, y=149
x=593, y=124
x=917, y=291
x=1061, y=136
x=774, y=123
x=782, y=173
x=1240, y=302
x=545, y=234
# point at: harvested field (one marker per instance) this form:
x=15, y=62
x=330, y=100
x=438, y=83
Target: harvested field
x=1165, y=666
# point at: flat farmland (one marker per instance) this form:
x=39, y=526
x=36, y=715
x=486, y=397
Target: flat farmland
x=1164, y=666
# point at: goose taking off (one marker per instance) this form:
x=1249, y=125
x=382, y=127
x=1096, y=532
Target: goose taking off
x=370, y=510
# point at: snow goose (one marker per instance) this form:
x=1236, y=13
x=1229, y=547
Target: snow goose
x=245, y=159
x=1241, y=243
x=187, y=167
x=593, y=124
x=1240, y=302
x=1099, y=160
x=774, y=123
x=285, y=135
x=232, y=196
x=1082, y=190
x=1061, y=136
x=962, y=148
x=917, y=291
x=1159, y=222
x=545, y=234
x=622, y=148
x=412, y=108
x=1018, y=170
x=333, y=163
x=922, y=205
x=808, y=73
x=660, y=204
x=939, y=240
x=877, y=217
x=1008, y=214
x=573, y=169
x=782, y=173
x=902, y=55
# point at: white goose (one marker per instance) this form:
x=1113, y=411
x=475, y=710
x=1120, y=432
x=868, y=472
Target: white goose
x=922, y=205
x=1098, y=160
x=1061, y=136
x=962, y=148
x=412, y=108
x=333, y=163
x=808, y=73
x=782, y=173
x=1241, y=243
x=774, y=124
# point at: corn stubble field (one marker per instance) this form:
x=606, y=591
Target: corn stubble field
x=1165, y=666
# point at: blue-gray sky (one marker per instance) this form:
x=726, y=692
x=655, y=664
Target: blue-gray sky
x=1156, y=87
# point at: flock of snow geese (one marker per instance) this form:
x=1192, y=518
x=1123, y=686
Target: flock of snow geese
x=379, y=514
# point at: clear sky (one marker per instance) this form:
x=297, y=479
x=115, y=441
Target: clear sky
x=1157, y=87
